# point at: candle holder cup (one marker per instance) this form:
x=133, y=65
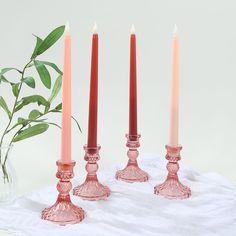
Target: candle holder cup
x=92, y=189
x=64, y=211
x=132, y=173
x=172, y=188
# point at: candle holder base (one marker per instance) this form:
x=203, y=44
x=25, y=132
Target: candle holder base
x=132, y=173
x=172, y=188
x=92, y=189
x=64, y=212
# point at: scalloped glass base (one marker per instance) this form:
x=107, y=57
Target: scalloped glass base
x=63, y=212
x=131, y=174
x=172, y=189
x=92, y=190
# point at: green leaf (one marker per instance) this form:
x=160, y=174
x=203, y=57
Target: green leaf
x=55, y=91
x=29, y=81
x=38, y=43
x=43, y=73
x=56, y=88
x=24, y=122
x=15, y=89
x=31, y=99
x=54, y=66
x=50, y=39
x=3, y=79
x=34, y=114
x=31, y=131
x=20, y=120
x=4, y=70
x=5, y=107
x=57, y=108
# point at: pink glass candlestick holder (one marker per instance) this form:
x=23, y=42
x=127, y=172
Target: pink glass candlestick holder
x=92, y=189
x=172, y=188
x=64, y=211
x=132, y=173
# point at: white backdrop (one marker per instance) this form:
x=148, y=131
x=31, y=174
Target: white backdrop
x=208, y=78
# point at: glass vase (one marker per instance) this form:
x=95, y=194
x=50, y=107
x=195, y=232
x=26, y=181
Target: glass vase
x=8, y=182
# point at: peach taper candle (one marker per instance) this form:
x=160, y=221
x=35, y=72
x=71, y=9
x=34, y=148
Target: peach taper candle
x=172, y=188
x=174, y=112
x=63, y=211
x=66, y=100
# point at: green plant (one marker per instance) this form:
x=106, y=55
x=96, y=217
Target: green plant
x=19, y=128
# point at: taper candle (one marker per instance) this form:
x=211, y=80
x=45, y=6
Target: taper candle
x=93, y=101
x=66, y=100
x=174, y=113
x=132, y=173
x=172, y=188
x=133, y=85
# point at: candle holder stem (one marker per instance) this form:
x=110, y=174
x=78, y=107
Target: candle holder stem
x=172, y=188
x=64, y=211
x=132, y=173
x=92, y=189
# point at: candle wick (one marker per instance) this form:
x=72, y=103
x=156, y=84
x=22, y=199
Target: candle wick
x=132, y=30
x=175, y=31
x=95, y=28
x=67, y=28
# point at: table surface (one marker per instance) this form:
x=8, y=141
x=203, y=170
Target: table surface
x=133, y=209
x=5, y=233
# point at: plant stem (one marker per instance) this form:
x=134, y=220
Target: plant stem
x=19, y=131
x=9, y=123
x=14, y=106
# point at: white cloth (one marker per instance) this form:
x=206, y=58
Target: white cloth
x=133, y=209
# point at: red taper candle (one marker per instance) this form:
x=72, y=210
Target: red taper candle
x=93, y=101
x=133, y=85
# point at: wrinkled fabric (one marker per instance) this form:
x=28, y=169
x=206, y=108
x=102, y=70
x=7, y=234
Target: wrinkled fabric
x=133, y=209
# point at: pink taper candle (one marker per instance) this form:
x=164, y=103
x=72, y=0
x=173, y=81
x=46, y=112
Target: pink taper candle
x=174, y=113
x=66, y=100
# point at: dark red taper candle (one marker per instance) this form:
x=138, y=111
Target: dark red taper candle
x=133, y=86
x=93, y=100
